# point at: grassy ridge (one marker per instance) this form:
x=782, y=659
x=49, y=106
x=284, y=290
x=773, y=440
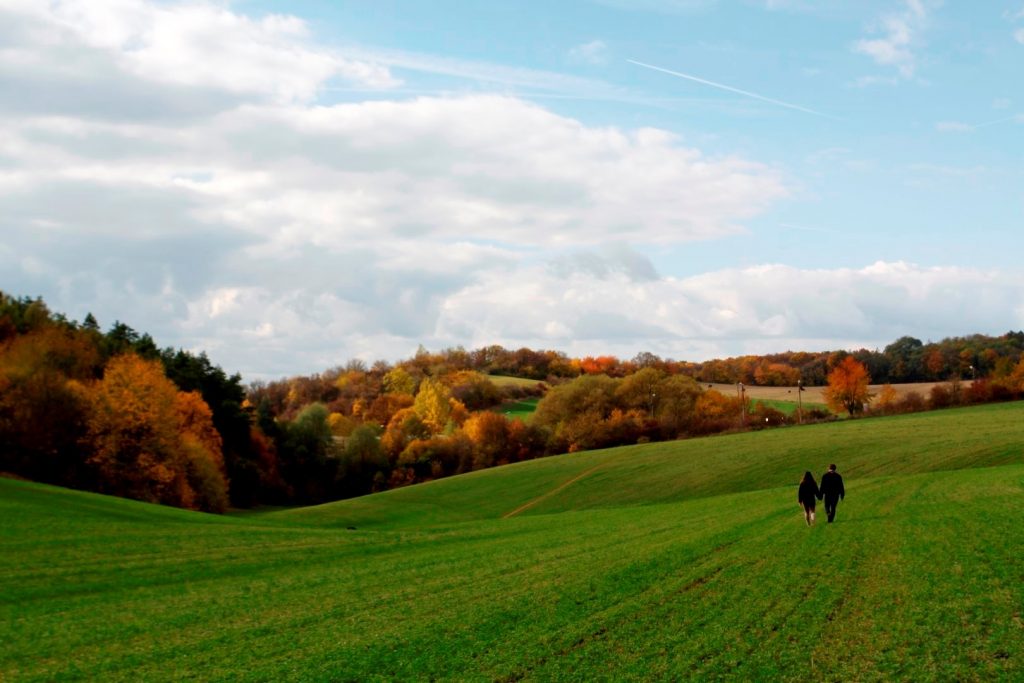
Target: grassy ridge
x=673, y=561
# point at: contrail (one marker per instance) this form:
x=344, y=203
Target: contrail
x=720, y=86
x=1015, y=117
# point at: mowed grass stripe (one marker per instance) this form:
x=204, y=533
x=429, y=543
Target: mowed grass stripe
x=726, y=586
x=555, y=491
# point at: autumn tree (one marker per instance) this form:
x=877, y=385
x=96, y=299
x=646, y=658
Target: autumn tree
x=776, y=374
x=674, y=408
x=404, y=427
x=438, y=456
x=473, y=389
x=489, y=433
x=232, y=418
x=150, y=442
x=42, y=419
x=848, y=386
x=385, y=406
x=601, y=365
x=593, y=394
x=433, y=405
x=639, y=391
x=399, y=381
x=713, y=411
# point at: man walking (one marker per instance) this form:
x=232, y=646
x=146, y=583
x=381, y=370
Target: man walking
x=832, y=491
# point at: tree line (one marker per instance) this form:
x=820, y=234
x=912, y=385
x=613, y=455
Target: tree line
x=112, y=412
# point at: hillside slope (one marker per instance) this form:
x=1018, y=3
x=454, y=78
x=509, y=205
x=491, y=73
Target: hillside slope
x=919, y=577
x=681, y=470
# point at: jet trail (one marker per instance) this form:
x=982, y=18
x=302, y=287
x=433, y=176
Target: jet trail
x=1015, y=117
x=721, y=86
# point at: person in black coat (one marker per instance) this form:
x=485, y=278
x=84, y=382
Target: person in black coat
x=807, y=495
x=832, y=491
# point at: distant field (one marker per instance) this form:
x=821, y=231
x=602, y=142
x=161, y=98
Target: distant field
x=671, y=561
x=503, y=381
x=518, y=410
x=789, y=408
x=812, y=394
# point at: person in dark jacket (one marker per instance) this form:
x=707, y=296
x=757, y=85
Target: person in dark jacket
x=807, y=495
x=832, y=491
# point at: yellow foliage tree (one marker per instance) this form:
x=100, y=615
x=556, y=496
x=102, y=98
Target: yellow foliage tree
x=399, y=381
x=432, y=405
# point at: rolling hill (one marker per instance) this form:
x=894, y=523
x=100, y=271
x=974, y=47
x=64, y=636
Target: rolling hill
x=672, y=561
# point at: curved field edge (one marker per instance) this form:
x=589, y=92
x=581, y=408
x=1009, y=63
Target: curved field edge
x=919, y=578
x=960, y=438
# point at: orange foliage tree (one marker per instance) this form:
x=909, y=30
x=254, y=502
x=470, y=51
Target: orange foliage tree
x=848, y=386
x=151, y=442
x=489, y=433
x=713, y=411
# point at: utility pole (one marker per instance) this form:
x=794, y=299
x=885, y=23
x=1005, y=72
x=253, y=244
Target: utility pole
x=799, y=401
x=741, y=390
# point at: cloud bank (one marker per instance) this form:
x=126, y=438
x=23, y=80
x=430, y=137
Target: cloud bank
x=173, y=166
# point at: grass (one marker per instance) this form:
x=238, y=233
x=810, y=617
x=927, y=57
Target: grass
x=505, y=381
x=676, y=561
x=789, y=408
x=519, y=410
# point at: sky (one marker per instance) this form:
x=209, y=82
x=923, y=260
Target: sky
x=290, y=185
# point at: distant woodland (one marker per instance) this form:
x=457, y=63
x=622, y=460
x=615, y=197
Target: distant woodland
x=111, y=411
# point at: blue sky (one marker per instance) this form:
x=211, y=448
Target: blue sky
x=290, y=185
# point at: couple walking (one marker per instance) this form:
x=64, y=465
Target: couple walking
x=831, y=490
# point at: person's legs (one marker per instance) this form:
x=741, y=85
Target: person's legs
x=830, y=508
x=808, y=515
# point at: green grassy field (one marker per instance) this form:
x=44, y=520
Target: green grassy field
x=789, y=408
x=685, y=560
x=518, y=410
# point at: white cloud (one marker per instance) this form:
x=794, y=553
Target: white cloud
x=276, y=235
x=193, y=45
x=492, y=168
x=594, y=52
x=222, y=212
x=284, y=236
x=900, y=36
x=768, y=307
x=1018, y=35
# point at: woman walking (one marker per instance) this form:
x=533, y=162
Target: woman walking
x=807, y=495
